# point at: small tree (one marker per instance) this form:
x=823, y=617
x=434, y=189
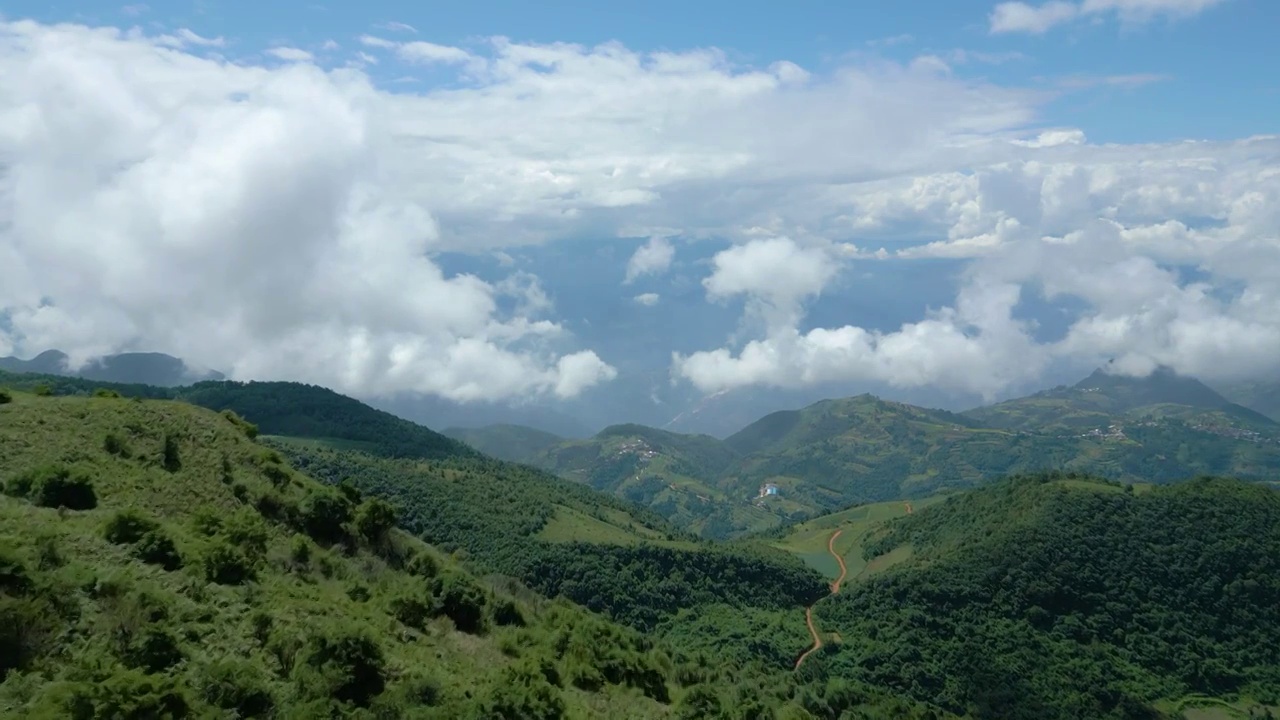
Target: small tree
x=374, y=520
x=172, y=460
x=6, y=397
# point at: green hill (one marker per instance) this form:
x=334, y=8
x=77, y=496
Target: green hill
x=675, y=475
x=157, y=561
x=1259, y=396
x=154, y=562
x=514, y=443
x=1065, y=597
x=1103, y=398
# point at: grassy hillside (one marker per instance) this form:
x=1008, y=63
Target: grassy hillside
x=857, y=525
x=1103, y=398
x=675, y=475
x=1064, y=597
x=154, y=560
x=1259, y=396
x=514, y=443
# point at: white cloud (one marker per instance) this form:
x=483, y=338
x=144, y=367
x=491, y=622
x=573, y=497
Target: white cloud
x=395, y=26
x=154, y=198
x=652, y=258
x=1111, y=227
x=425, y=52
x=775, y=274
x=647, y=299
x=1021, y=17
x=135, y=9
x=1038, y=19
x=290, y=54
x=243, y=217
x=377, y=42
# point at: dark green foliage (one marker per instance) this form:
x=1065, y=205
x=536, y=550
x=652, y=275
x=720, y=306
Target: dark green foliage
x=54, y=486
x=523, y=692
x=171, y=458
x=238, y=686
x=116, y=445
x=134, y=695
x=459, y=598
x=1058, y=597
x=294, y=409
x=495, y=510
x=58, y=487
x=43, y=390
x=344, y=664
x=374, y=520
x=157, y=548
x=507, y=612
x=127, y=527
x=249, y=429
x=225, y=564
x=324, y=516
x=106, y=393
x=6, y=397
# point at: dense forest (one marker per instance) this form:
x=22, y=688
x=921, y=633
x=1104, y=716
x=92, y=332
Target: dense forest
x=1062, y=597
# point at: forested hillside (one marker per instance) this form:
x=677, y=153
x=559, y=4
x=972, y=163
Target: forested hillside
x=157, y=561
x=1063, y=597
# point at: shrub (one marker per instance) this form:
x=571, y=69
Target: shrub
x=116, y=445
x=225, y=565
x=423, y=565
x=135, y=695
x=507, y=612
x=411, y=610
x=249, y=429
x=43, y=390
x=153, y=649
x=6, y=397
x=374, y=519
x=65, y=490
x=105, y=393
x=344, y=664
x=323, y=515
x=523, y=692
x=157, y=548
x=462, y=601
x=171, y=458
x=238, y=686
x=128, y=526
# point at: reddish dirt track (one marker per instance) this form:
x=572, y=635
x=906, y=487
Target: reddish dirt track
x=835, y=588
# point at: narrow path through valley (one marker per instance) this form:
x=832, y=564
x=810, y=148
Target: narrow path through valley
x=835, y=588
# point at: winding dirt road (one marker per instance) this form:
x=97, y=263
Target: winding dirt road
x=835, y=588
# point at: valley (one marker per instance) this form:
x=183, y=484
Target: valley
x=512, y=564
x=863, y=449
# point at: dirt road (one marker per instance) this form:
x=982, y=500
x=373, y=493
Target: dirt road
x=835, y=588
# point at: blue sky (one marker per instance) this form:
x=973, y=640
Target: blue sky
x=1208, y=77
x=946, y=202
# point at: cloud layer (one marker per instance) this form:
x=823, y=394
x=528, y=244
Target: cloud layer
x=1037, y=19
x=279, y=220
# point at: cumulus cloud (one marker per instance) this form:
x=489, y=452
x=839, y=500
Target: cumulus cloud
x=245, y=218
x=279, y=220
x=647, y=299
x=1173, y=251
x=1038, y=19
x=652, y=258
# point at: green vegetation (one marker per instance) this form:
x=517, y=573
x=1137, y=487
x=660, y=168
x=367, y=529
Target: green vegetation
x=1039, y=598
x=513, y=443
x=231, y=584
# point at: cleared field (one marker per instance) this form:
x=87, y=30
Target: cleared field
x=808, y=540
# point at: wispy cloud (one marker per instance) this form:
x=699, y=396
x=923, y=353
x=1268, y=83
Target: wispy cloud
x=891, y=40
x=377, y=42
x=135, y=9
x=1010, y=17
x=185, y=37
x=290, y=54
x=394, y=26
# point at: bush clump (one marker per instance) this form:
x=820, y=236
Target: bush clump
x=54, y=486
x=6, y=397
x=127, y=527
x=116, y=445
x=157, y=548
